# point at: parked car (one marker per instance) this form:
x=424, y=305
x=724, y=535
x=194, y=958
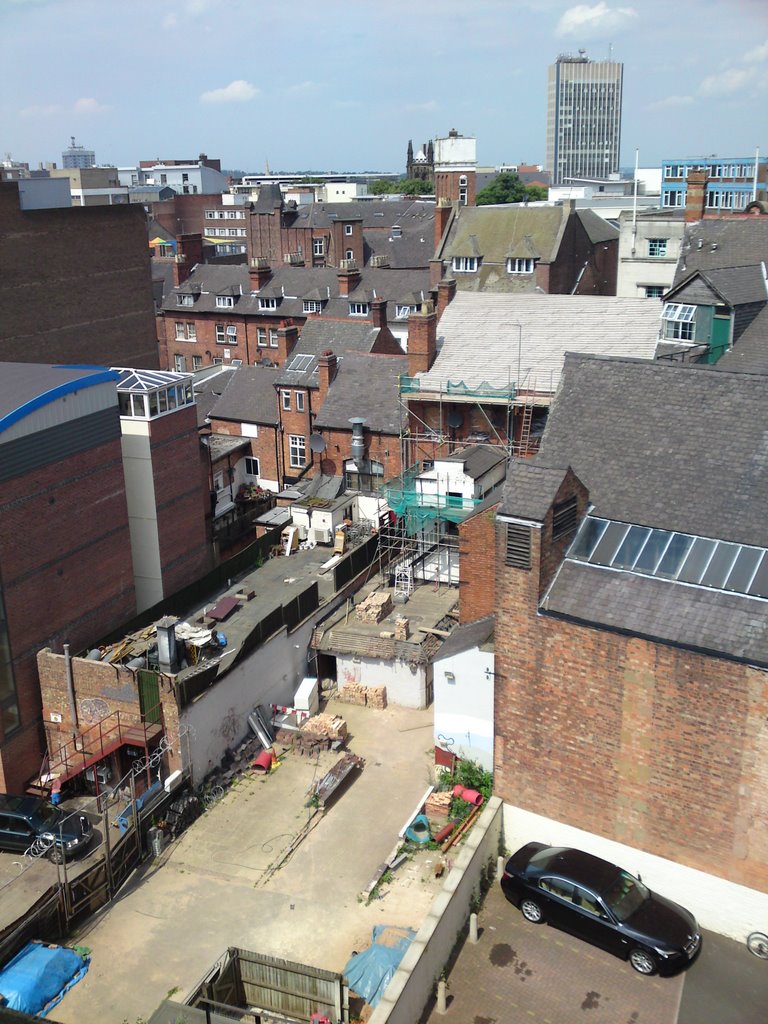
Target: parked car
x=29, y=822
x=599, y=902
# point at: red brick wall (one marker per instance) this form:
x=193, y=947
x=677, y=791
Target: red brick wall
x=263, y=447
x=652, y=746
x=447, y=185
x=597, y=264
x=116, y=687
x=383, y=448
x=76, y=285
x=477, y=566
x=67, y=573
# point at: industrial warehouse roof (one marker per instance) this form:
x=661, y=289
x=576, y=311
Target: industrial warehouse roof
x=25, y=387
x=503, y=339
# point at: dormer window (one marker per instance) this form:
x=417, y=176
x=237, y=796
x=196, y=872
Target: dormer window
x=265, y=304
x=312, y=306
x=465, y=264
x=403, y=312
x=225, y=301
x=679, y=322
x=184, y=299
x=517, y=265
x=358, y=308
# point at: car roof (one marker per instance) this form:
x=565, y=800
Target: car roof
x=582, y=868
x=19, y=804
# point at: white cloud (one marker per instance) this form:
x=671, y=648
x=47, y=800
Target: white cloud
x=670, y=101
x=759, y=53
x=88, y=105
x=595, y=22
x=238, y=91
x=727, y=83
x=421, y=108
x=303, y=87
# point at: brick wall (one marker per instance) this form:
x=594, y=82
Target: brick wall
x=477, y=566
x=76, y=285
x=264, y=447
x=383, y=448
x=655, y=747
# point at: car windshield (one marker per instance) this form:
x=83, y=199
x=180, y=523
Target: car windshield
x=625, y=895
x=46, y=819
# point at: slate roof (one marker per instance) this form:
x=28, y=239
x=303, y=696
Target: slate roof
x=365, y=385
x=479, y=336
x=530, y=489
x=750, y=353
x=340, y=336
x=476, y=459
x=661, y=610
x=249, y=397
x=499, y=232
x=734, y=286
x=467, y=637
x=290, y=286
x=665, y=445
x=724, y=243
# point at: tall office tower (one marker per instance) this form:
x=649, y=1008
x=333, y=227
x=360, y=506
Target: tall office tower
x=583, y=117
x=78, y=156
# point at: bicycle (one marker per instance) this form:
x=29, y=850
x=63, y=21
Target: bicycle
x=757, y=943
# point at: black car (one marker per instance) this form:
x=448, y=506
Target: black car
x=30, y=823
x=598, y=902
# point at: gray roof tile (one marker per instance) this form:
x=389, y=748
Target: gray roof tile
x=467, y=637
x=365, y=385
x=248, y=397
x=713, y=244
x=530, y=489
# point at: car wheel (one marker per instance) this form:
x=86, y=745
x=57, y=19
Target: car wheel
x=531, y=911
x=55, y=856
x=643, y=961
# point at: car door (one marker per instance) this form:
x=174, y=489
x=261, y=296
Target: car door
x=557, y=900
x=16, y=833
x=594, y=923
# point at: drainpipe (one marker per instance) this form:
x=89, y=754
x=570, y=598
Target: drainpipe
x=70, y=686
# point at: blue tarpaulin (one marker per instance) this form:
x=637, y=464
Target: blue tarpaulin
x=37, y=977
x=369, y=972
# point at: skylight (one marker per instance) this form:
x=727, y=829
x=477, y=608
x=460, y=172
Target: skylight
x=300, y=362
x=665, y=554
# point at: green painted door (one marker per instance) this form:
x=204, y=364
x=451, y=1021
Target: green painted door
x=149, y=697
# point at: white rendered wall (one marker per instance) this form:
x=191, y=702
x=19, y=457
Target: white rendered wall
x=717, y=904
x=464, y=705
x=406, y=684
x=142, y=512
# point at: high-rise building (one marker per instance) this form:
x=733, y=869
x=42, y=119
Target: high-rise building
x=583, y=117
x=78, y=156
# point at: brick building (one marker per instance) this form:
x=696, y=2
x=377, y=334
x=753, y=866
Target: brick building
x=65, y=554
x=76, y=285
x=631, y=587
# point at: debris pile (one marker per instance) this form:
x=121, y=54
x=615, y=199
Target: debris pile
x=374, y=608
x=320, y=732
x=402, y=629
x=438, y=806
x=364, y=696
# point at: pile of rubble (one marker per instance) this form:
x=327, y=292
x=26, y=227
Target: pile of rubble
x=364, y=696
x=321, y=732
x=374, y=608
x=438, y=806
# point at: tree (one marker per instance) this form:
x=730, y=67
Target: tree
x=404, y=186
x=507, y=188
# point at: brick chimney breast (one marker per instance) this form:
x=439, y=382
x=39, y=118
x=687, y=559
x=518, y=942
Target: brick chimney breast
x=422, y=339
x=696, y=196
x=327, y=366
x=259, y=272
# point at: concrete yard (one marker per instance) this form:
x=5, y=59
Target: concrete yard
x=210, y=890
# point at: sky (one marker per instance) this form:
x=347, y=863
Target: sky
x=339, y=85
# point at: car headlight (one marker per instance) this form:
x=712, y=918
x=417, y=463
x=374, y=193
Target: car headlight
x=71, y=844
x=666, y=953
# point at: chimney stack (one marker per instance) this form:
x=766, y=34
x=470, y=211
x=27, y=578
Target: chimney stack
x=696, y=196
x=446, y=289
x=379, y=313
x=189, y=252
x=422, y=339
x=443, y=211
x=327, y=366
x=287, y=336
x=349, y=277
x=259, y=272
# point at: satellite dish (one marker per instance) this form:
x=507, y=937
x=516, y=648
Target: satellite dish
x=455, y=418
x=317, y=443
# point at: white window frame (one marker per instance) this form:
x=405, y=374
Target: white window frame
x=274, y=338
x=349, y=254
x=197, y=362
x=297, y=451
x=403, y=312
x=679, y=320
x=185, y=299
x=225, y=302
x=649, y=289
x=285, y=400
x=179, y=363
x=657, y=248
x=312, y=305
x=267, y=303
x=248, y=462
x=221, y=335
x=232, y=333
x=299, y=401
x=181, y=332
x=191, y=331
x=464, y=264
x=348, y=229
x=261, y=337
x=359, y=309
x=520, y=265
x=318, y=247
